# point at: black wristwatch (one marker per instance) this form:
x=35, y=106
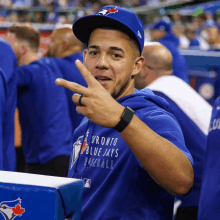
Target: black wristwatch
x=125, y=119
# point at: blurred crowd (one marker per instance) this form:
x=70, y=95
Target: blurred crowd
x=198, y=32
x=41, y=11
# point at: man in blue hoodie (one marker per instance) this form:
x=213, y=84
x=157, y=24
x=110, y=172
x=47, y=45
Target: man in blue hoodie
x=64, y=48
x=43, y=108
x=8, y=63
x=209, y=204
x=130, y=162
x=161, y=31
x=189, y=108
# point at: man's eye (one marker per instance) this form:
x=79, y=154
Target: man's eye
x=116, y=55
x=93, y=53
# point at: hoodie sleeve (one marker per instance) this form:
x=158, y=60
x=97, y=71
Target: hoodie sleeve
x=165, y=125
x=2, y=101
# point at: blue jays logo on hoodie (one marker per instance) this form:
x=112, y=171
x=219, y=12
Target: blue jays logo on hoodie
x=107, y=11
x=77, y=146
x=11, y=209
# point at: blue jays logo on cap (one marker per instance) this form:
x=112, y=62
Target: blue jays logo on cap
x=107, y=11
x=111, y=15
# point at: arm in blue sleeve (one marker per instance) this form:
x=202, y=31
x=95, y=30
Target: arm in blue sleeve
x=8, y=60
x=26, y=75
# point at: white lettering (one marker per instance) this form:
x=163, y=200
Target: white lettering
x=97, y=140
x=111, y=141
x=107, y=154
x=89, y=163
x=98, y=163
x=103, y=164
x=96, y=150
x=107, y=164
x=87, y=150
x=100, y=149
x=111, y=164
x=86, y=159
x=93, y=139
x=112, y=152
x=115, y=142
x=103, y=141
x=94, y=162
x=107, y=142
x=116, y=153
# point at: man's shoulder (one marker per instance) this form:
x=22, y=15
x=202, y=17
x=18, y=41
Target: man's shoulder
x=183, y=100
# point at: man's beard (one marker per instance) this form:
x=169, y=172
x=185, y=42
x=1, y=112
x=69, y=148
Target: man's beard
x=50, y=54
x=116, y=94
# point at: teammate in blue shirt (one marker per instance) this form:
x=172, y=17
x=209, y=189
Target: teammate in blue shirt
x=65, y=45
x=43, y=108
x=209, y=204
x=191, y=111
x=161, y=31
x=8, y=63
x=191, y=36
x=130, y=163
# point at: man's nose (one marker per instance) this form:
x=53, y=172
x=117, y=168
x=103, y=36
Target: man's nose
x=102, y=62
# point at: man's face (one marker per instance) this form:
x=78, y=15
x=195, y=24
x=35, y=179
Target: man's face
x=190, y=35
x=213, y=35
x=15, y=44
x=156, y=35
x=110, y=59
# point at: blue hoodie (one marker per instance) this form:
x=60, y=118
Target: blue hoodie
x=43, y=111
x=115, y=184
x=171, y=41
x=8, y=63
x=209, y=204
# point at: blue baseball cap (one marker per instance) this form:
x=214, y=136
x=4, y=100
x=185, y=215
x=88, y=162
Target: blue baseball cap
x=122, y=18
x=161, y=25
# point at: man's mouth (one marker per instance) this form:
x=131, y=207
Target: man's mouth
x=102, y=78
x=104, y=81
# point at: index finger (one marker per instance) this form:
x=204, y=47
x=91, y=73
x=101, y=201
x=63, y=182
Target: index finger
x=85, y=73
x=74, y=87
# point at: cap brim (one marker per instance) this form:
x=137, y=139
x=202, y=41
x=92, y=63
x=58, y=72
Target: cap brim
x=82, y=27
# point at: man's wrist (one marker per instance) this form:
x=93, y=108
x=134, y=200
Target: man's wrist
x=126, y=118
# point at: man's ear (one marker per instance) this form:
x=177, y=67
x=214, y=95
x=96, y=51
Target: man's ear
x=84, y=55
x=138, y=65
x=23, y=48
x=62, y=47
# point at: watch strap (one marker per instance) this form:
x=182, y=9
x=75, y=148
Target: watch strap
x=125, y=119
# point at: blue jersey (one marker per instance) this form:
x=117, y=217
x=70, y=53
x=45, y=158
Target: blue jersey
x=209, y=204
x=193, y=114
x=194, y=44
x=8, y=63
x=71, y=73
x=179, y=63
x=43, y=111
x=116, y=186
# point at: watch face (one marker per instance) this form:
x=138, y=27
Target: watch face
x=128, y=114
